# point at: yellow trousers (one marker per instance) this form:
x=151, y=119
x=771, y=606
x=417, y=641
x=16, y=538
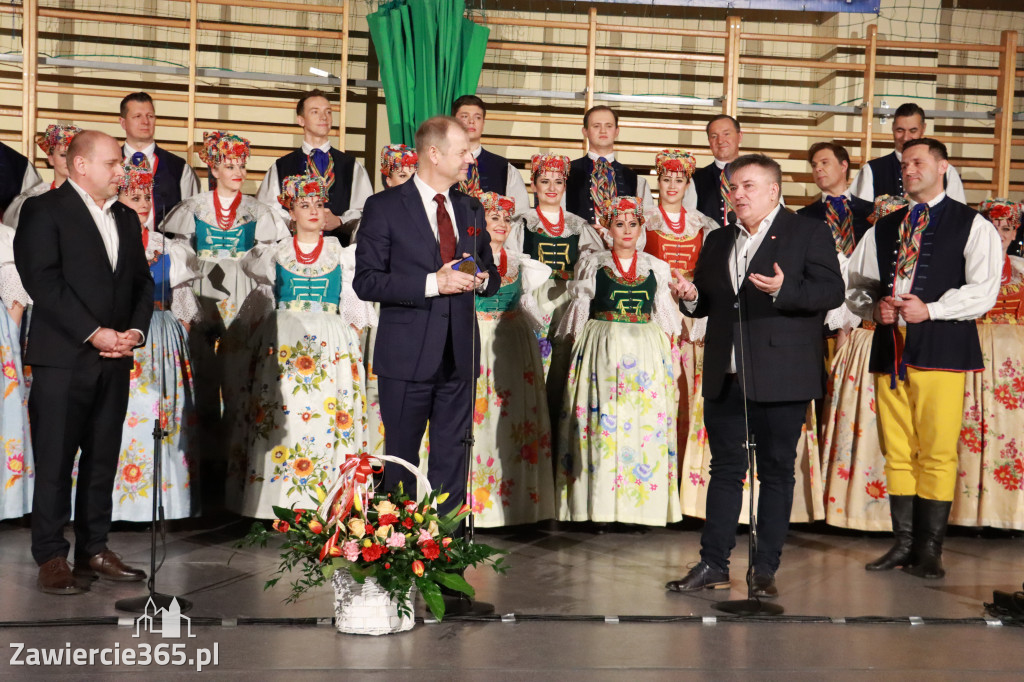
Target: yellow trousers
x=918, y=427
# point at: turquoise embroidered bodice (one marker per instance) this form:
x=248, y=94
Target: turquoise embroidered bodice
x=323, y=289
x=237, y=240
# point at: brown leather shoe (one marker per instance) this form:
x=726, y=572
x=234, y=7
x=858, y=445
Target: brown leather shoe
x=108, y=566
x=55, y=577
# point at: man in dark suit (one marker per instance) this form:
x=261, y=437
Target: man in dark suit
x=779, y=273
x=489, y=172
x=82, y=262
x=173, y=178
x=409, y=238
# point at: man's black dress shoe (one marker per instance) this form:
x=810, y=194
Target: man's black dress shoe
x=762, y=585
x=702, y=576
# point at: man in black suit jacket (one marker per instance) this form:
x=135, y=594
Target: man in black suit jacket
x=830, y=163
x=779, y=272
x=409, y=238
x=81, y=259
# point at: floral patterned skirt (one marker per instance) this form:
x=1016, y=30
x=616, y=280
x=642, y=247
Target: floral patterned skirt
x=990, y=488
x=695, y=467
x=512, y=479
x=617, y=434
x=166, y=351
x=307, y=411
x=16, y=465
x=990, y=470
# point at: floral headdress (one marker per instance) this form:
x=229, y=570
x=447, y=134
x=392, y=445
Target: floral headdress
x=993, y=209
x=138, y=177
x=886, y=204
x=675, y=161
x=219, y=145
x=396, y=156
x=554, y=163
x=493, y=201
x=620, y=205
x=295, y=187
x=56, y=135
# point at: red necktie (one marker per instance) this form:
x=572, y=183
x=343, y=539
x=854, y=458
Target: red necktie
x=445, y=231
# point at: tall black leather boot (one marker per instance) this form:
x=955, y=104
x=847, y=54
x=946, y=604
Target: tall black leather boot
x=901, y=507
x=930, y=520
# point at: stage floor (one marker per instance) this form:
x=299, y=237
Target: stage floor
x=556, y=573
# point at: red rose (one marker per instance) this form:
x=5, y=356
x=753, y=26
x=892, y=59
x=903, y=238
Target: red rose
x=387, y=520
x=430, y=550
x=408, y=522
x=281, y=526
x=315, y=527
x=372, y=553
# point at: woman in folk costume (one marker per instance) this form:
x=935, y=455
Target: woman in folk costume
x=852, y=460
x=222, y=226
x=617, y=435
x=163, y=367
x=397, y=165
x=54, y=143
x=17, y=467
x=990, y=491
x=308, y=407
x=675, y=236
x=512, y=475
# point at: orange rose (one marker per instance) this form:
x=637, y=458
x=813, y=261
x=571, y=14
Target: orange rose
x=305, y=364
x=132, y=473
x=303, y=466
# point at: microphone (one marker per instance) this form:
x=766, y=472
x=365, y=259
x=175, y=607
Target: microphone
x=730, y=218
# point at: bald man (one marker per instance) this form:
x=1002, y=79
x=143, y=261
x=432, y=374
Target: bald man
x=81, y=260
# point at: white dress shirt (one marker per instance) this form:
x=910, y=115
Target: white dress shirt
x=427, y=194
x=188, y=184
x=983, y=263
x=362, y=188
x=863, y=185
x=643, y=190
x=514, y=186
x=740, y=256
x=107, y=226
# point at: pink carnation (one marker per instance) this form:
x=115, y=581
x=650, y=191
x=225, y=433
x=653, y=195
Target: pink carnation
x=396, y=541
x=350, y=550
x=424, y=536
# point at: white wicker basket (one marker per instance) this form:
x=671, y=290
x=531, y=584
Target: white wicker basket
x=367, y=609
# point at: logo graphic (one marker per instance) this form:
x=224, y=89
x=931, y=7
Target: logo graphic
x=170, y=621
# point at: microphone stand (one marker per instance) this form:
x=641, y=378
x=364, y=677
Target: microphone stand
x=159, y=600
x=463, y=606
x=752, y=605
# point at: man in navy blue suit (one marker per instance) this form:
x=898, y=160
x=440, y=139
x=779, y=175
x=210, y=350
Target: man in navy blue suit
x=427, y=353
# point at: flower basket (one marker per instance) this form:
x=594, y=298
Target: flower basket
x=367, y=609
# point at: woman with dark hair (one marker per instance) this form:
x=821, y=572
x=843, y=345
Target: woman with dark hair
x=617, y=434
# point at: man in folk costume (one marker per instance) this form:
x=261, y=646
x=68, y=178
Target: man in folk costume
x=488, y=172
x=54, y=143
x=348, y=183
x=173, y=179
x=598, y=177
x=884, y=174
x=923, y=274
x=709, y=191
x=848, y=218
x=17, y=175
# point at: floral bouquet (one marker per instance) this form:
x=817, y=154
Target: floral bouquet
x=388, y=537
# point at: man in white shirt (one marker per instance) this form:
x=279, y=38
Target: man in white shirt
x=598, y=176
x=884, y=176
x=923, y=274
x=173, y=178
x=348, y=183
x=82, y=262
x=489, y=172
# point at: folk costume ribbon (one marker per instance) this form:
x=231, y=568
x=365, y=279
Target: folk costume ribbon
x=911, y=229
x=839, y=218
x=602, y=184
x=320, y=164
x=471, y=185
x=723, y=187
